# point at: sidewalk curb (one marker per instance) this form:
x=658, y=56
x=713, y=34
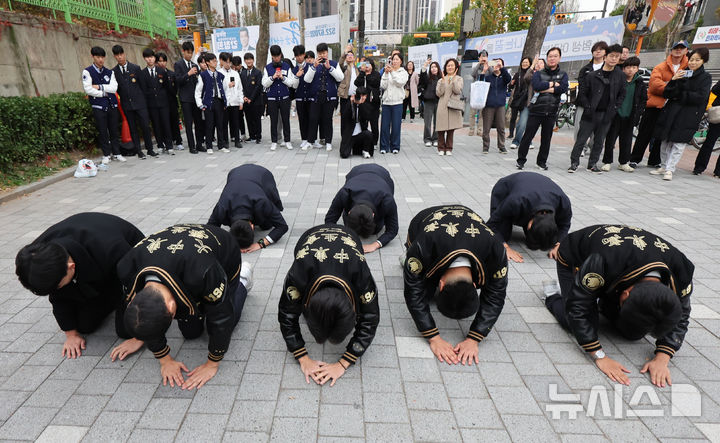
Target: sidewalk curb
x=32, y=187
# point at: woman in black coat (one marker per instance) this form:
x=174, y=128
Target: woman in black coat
x=687, y=99
x=519, y=86
x=429, y=77
x=370, y=78
x=713, y=133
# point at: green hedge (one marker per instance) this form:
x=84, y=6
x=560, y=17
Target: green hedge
x=32, y=128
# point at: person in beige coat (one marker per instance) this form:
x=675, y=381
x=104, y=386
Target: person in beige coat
x=448, y=120
x=411, y=92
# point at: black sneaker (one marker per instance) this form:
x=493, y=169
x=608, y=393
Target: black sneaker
x=596, y=170
x=503, y=151
x=542, y=166
x=152, y=153
x=485, y=151
x=257, y=141
x=697, y=172
x=519, y=165
x=141, y=156
x=633, y=165
x=193, y=151
x=654, y=166
x=572, y=168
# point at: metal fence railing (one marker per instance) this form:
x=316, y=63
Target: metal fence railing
x=157, y=17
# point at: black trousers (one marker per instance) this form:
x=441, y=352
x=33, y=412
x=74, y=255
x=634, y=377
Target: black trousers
x=142, y=118
x=356, y=144
x=252, y=112
x=241, y=121
x=321, y=112
x=344, y=107
x=214, y=116
x=645, y=134
x=279, y=110
x=555, y=303
x=233, y=119
x=621, y=128
x=192, y=116
x=302, y=108
x=597, y=126
x=513, y=119
x=407, y=103
x=703, y=157
x=373, y=113
x=193, y=327
x=175, y=122
x=108, y=127
x=160, y=118
x=533, y=124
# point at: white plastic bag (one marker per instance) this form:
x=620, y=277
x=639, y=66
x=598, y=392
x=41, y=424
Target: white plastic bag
x=478, y=94
x=86, y=168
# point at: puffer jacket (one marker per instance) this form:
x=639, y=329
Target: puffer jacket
x=393, y=86
x=497, y=94
x=659, y=78
x=686, y=101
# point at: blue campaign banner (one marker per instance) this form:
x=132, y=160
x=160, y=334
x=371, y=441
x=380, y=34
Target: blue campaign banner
x=574, y=39
x=226, y=40
x=438, y=52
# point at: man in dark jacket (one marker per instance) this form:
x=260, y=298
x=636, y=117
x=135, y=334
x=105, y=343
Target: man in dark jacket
x=186, y=77
x=172, y=101
x=155, y=81
x=598, y=51
x=132, y=100
x=602, y=92
x=251, y=78
x=537, y=204
x=451, y=254
x=633, y=277
x=549, y=84
x=75, y=261
x=330, y=284
x=367, y=204
x=627, y=117
x=191, y=273
x=493, y=115
x=250, y=198
x=356, y=139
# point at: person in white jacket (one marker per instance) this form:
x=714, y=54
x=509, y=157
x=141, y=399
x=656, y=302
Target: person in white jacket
x=393, y=85
x=100, y=85
x=235, y=99
x=277, y=80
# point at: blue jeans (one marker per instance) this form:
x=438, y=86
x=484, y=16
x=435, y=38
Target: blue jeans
x=391, y=116
x=520, y=126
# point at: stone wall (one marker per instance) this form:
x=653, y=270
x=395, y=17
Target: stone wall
x=41, y=57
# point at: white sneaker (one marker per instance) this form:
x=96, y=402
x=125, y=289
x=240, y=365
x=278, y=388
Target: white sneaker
x=412, y=121
x=282, y=144
x=106, y=160
x=606, y=167
x=435, y=144
x=448, y=153
x=246, y=275
x=658, y=171
x=179, y=147
x=273, y=146
x=209, y=151
x=382, y=151
x=120, y=158
x=395, y=151
x=532, y=146
x=667, y=176
x=513, y=146
x=550, y=287
x=626, y=168
x=171, y=152
x=441, y=153
x=366, y=154
x=317, y=145
x=328, y=147
x=304, y=144
x=292, y=114
x=428, y=144
x=289, y=146
x=225, y=150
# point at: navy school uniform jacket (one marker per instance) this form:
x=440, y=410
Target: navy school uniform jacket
x=370, y=184
x=96, y=242
x=437, y=236
x=329, y=255
x=606, y=260
x=156, y=95
x=197, y=263
x=186, y=84
x=515, y=199
x=251, y=194
x=130, y=88
x=252, y=84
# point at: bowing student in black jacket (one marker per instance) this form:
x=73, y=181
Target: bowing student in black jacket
x=75, y=263
x=132, y=100
x=366, y=203
x=192, y=273
x=535, y=203
x=329, y=284
x=171, y=90
x=451, y=254
x=155, y=81
x=186, y=78
x=636, y=279
x=356, y=139
x=250, y=198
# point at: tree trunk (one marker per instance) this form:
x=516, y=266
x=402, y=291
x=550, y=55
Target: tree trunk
x=263, y=42
x=538, y=28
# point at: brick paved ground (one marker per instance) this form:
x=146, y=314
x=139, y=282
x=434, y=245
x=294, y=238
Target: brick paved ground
x=398, y=392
